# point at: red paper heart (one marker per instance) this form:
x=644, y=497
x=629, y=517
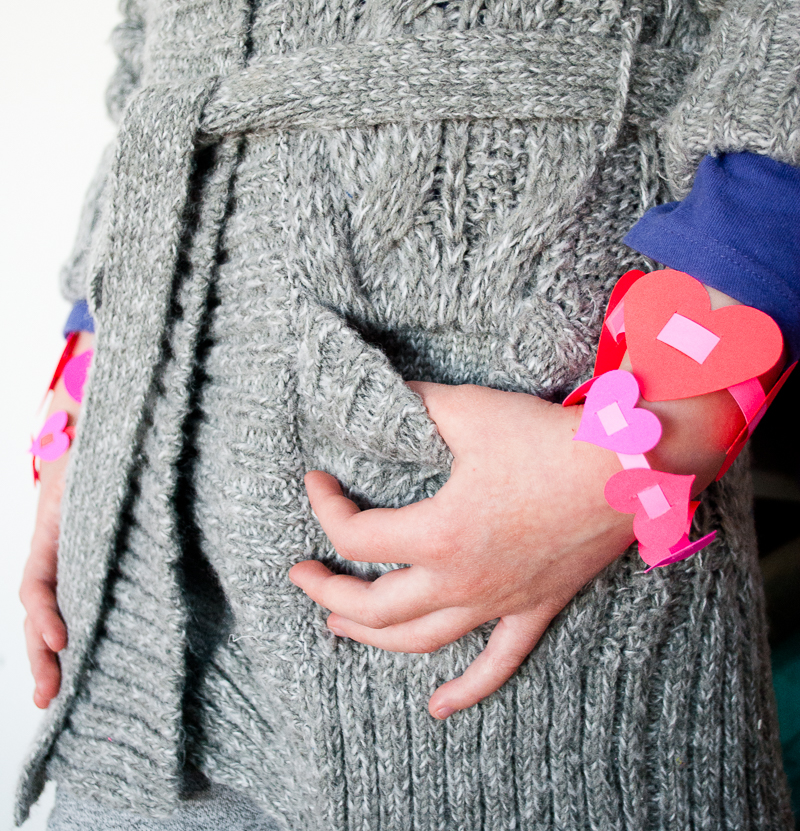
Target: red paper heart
x=679, y=348
x=644, y=492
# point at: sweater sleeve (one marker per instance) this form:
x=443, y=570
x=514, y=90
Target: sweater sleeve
x=732, y=159
x=80, y=319
x=127, y=39
x=744, y=94
x=738, y=230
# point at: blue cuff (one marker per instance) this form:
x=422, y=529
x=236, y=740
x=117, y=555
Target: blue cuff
x=737, y=231
x=79, y=319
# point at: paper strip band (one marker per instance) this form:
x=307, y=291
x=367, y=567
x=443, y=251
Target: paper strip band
x=696, y=342
x=615, y=323
x=630, y=462
x=680, y=551
x=749, y=395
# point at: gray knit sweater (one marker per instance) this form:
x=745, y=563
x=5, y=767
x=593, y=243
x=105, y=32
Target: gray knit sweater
x=307, y=203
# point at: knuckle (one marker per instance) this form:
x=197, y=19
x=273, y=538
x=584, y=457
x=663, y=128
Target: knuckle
x=345, y=551
x=424, y=644
x=373, y=619
x=446, y=537
x=28, y=592
x=504, y=664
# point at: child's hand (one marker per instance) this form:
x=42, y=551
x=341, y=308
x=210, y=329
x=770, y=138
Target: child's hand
x=45, y=632
x=517, y=530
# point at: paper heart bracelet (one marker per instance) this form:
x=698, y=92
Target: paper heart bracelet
x=56, y=434
x=678, y=348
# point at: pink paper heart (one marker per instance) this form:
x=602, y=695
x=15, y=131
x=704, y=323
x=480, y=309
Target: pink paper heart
x=660, y=502
x=52, y=441
x=75, y=374
x=683, y=549
x=611, y=418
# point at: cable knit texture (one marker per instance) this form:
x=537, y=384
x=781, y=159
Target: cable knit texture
x=309, y=203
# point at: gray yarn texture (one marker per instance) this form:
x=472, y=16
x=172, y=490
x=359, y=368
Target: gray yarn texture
x=213, y=809
x=306, y=204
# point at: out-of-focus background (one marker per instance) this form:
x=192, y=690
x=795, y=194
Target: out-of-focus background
x=776, y=479
x=55, y=60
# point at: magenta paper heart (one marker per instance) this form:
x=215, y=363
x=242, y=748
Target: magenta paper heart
x=52, y=442
x=659, y=557
x=660, y=502
x=75, y=374
x=611, y=418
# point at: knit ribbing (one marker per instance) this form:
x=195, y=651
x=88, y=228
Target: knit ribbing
x=112, y=729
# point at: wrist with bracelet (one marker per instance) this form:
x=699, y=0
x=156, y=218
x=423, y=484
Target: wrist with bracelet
x=56, y=434
x=677, y=348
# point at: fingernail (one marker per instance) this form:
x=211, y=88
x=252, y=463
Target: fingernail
x=336, y=631
x=47, y=641
x=443, y=713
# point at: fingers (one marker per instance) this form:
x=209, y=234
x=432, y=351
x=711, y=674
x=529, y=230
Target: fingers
x=397, y=596
x=424, y=634
x=39, y=599
x=510, y=643
x=44, y=666
x=45, y=632
x=377, y=535
x=38, y=588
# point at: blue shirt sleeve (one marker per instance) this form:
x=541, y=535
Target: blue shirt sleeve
x=79, y=320
x=737, y=231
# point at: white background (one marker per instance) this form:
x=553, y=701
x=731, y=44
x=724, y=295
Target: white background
x=55, y=61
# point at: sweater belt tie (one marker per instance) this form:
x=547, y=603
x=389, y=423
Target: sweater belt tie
x=448, y=76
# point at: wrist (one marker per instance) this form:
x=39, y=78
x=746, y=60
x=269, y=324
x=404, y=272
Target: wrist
x=696, y=434
x=61, y=398
x=674, y=405
x=63, y=411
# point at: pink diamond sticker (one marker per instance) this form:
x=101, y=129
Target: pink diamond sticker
x=653, y=501
x=688, y=337
x=612, y=419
